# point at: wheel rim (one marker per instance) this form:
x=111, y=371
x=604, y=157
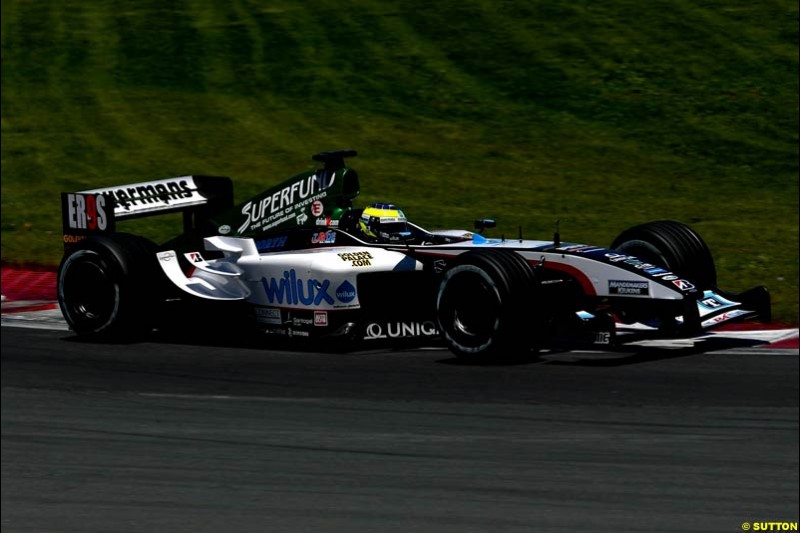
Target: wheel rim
x=89, y=297
x=469, y=309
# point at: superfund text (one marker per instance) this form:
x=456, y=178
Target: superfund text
x=269, y=205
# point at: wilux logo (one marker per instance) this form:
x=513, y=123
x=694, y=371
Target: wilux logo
x=291, y=290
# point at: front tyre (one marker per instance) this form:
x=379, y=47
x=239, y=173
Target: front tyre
x=104, y=284
x=486, y=306
x=672, y=245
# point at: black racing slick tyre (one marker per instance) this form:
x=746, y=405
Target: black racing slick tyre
x=104, y=286
x=671, y=245
x=487, y=305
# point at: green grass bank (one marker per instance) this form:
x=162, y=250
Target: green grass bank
x=600, y=114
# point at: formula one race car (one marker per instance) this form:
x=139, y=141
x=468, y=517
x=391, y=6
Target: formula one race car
x=299, y=260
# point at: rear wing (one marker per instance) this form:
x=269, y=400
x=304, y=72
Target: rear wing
x=97, y=210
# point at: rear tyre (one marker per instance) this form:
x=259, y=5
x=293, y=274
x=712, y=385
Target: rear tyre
x=672, y=245
x=105, y=286
x=487, y=306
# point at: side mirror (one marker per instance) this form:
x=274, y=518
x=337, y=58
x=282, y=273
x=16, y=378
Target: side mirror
x=484, y=223
x=401, y=236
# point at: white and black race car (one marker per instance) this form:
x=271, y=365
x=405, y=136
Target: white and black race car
x=299, y=260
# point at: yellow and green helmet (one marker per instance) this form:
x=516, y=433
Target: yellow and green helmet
x=383, y=222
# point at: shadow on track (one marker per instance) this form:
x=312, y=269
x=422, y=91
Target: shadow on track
x=563, y=355
x=632, y=355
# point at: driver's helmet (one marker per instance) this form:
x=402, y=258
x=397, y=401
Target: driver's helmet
x=383, y=223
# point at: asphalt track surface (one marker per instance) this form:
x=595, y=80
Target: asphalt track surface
x=166, y=436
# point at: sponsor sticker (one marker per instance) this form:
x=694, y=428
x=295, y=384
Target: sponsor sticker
x=724, y=317
x=320, y=318
x=345, y=292
x=579, y=248
x=652, y=270
x=683, y=285
x=712, y=302
x=316, y=208
x=323, y=237
x=153, y=195
x=638, y=264
x=85, y=212
x=399, y=330
x=276, y=332
x=282, y=205
x=357, y=259
x=294, y=290
x=267, y=315
x=628, y=288
x=274, y=243
x=602, y=338
x=71, y=239
x=224, y=229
